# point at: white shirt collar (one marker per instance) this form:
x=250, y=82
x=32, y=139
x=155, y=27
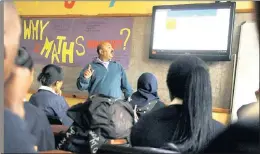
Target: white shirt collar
x=47, y=88
x=104, y=63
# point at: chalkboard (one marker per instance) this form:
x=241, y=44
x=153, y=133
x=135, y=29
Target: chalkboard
x=72, y=42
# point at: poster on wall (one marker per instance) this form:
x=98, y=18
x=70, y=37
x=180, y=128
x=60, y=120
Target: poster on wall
x=73, y=41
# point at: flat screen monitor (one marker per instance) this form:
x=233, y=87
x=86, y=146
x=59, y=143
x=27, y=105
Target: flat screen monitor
x=203, y=30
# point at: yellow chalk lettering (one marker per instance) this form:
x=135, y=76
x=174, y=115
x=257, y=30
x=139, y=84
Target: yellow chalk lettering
x=54, y=55
x=43, y=27
x=34, y=29
x=83, y=48
x=67, y=52
x=26, y=30
x=60, y=38
x=47, y=47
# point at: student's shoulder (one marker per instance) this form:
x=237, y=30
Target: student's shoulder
x=32, y=110
x=58, y=99
x=33, y=95
x=12, y=119
x=17, y=137
x=152, y=116
x=29, y=108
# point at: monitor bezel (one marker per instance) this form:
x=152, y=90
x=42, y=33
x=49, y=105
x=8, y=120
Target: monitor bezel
x=207, y=55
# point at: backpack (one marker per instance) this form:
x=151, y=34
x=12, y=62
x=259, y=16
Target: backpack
x=95, y=122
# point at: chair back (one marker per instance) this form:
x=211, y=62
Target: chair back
x=116, y=149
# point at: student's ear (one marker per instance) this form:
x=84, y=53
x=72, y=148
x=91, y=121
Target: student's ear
x=32, y=76
x=101, y=52
x=57, y=83
x=4, y=53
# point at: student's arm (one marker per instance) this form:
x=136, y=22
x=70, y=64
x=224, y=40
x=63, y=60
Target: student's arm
x=82, y=82
x=17, y=138
x=60, y=108
x=44, y=134
x=125, y=86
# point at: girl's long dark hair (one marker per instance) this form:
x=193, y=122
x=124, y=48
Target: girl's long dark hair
x=195, y=122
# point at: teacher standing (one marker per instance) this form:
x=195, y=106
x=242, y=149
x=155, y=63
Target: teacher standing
x=104, y=76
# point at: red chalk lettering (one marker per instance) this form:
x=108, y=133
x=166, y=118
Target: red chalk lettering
x=69, y=5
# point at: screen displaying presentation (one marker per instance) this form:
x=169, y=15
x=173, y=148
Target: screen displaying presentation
x=193, y=30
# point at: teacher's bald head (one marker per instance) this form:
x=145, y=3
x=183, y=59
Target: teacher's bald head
x=12, y=32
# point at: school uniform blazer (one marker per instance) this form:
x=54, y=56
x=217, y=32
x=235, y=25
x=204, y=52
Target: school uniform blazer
x=52, y=104
x=39, y=127
x=17, y=138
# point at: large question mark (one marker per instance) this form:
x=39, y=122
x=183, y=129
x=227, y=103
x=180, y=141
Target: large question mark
x=127, y=37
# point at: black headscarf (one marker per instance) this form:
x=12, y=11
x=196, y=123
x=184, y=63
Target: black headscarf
x=146, y=90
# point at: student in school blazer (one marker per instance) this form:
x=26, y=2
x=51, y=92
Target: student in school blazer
x=48, y=97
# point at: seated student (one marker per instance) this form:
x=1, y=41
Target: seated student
x=48, y=98
x=188, y=122
x=17, y=138
x=39, y=127
x=246, y=111
x=239, y=137
x=146, y=99
x=242, y=136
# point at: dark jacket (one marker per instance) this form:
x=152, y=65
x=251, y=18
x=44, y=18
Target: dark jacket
x=111, y=81
x=157, y=128
x=53, y=105
x=240, y=137
x=17, y=138
x=39, y=126
x=146, y=96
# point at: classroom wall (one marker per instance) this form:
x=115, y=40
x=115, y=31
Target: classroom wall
x=221, y=72
x=94, y=8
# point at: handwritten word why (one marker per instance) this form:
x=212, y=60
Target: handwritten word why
x=35, y=32
x=60, y=50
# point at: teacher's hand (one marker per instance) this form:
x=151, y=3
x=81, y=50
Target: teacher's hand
x=88, y=73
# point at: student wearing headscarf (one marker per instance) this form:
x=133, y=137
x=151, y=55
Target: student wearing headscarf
x=146, y=98
x=48, y=97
